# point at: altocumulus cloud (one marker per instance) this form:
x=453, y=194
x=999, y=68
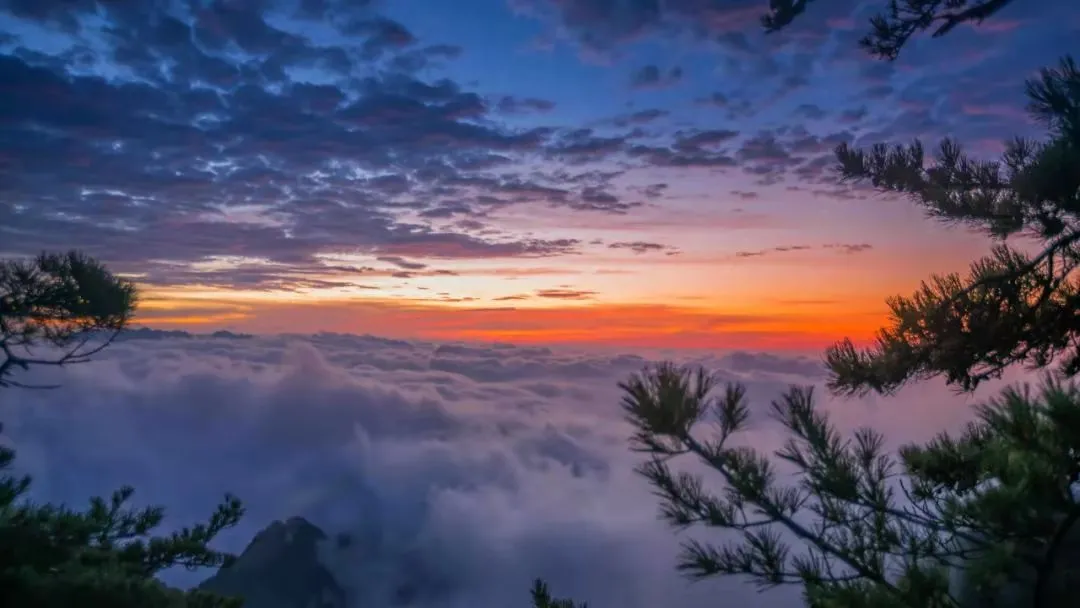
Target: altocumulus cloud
x=460, y=471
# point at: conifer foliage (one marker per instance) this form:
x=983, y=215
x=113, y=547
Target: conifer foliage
x=984, y=516
x=1012, y=307
x=68, y=302
x=542, y=598
x=53, y=556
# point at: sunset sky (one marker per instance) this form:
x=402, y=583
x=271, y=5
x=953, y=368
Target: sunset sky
x=632, y=173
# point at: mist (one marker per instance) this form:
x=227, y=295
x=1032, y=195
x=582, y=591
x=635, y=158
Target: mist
x=462, y=471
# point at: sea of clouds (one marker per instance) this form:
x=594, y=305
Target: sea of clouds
x=462, y=471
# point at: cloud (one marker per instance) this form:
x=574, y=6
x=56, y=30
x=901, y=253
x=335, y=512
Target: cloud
x=401, y=262
x=510, y=104
x=847, y=248
x=244, y=145
x=462, y=470
x=601, y=25
x=811, y=111
x=640, y=247
x=653, y=77
x=745, y=194
x=194, y=132
x=640, y=117
x=853, y=115
x=565, y=293
x=688, y=149
x=781, y=249
x=717, y=99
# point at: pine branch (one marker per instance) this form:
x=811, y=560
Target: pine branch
x=63, y=301
x=862, y=547
x=1012, y=308
x=891, y=30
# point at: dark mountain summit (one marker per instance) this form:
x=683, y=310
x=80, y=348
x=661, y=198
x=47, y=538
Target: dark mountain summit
x=280, y=568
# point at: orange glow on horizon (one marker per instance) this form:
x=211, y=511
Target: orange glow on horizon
x=781, y=299
x=776, y=326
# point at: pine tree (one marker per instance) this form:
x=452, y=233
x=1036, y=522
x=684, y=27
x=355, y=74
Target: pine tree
x=1012, y=307
x=859, y=527
x=52, y=556
x=67, y=302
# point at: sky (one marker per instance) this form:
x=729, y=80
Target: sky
x=461, y=472
x=623, y=173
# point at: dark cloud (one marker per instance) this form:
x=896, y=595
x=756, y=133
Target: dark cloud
x=510, y=104
x=582, y=191
x=640, y=247
x=839, y=247
x=770, y=67
x=765, y=362
x=775, y=155
x=601, y=25
x=811, y=111
x=745, y=195
x=764, y=147
x=689, y=148
x=700, y=140
x=732, y=108
x=401, y=262
x=640, y=117
x=716, y=99
x=878, y=92
x=653, y=77
x=565, y=294
x=381, y=35
x=853, y=115
x=761, y=72
x=151, y=134
x=781, y=249
x=655, y=190
x=850, y=248
x=668, y=157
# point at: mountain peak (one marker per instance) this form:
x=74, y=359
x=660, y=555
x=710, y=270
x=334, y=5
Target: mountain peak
x=280, y=568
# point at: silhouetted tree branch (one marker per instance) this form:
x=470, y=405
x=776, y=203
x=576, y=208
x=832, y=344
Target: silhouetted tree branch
x=988, y=503
x=902, y=19
x=541, y=598
x=67, y=302
x=1012, y=307
x=53, y=556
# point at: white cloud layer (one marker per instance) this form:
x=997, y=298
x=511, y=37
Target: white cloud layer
x=464, y=471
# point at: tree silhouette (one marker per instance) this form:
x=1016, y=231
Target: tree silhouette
x=859, y=526
x=52, y=556
x=1012, y=307
x=66, y=302
x=541, y=598
x=902, y=19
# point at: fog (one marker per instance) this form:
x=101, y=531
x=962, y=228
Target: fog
x=465, y=470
